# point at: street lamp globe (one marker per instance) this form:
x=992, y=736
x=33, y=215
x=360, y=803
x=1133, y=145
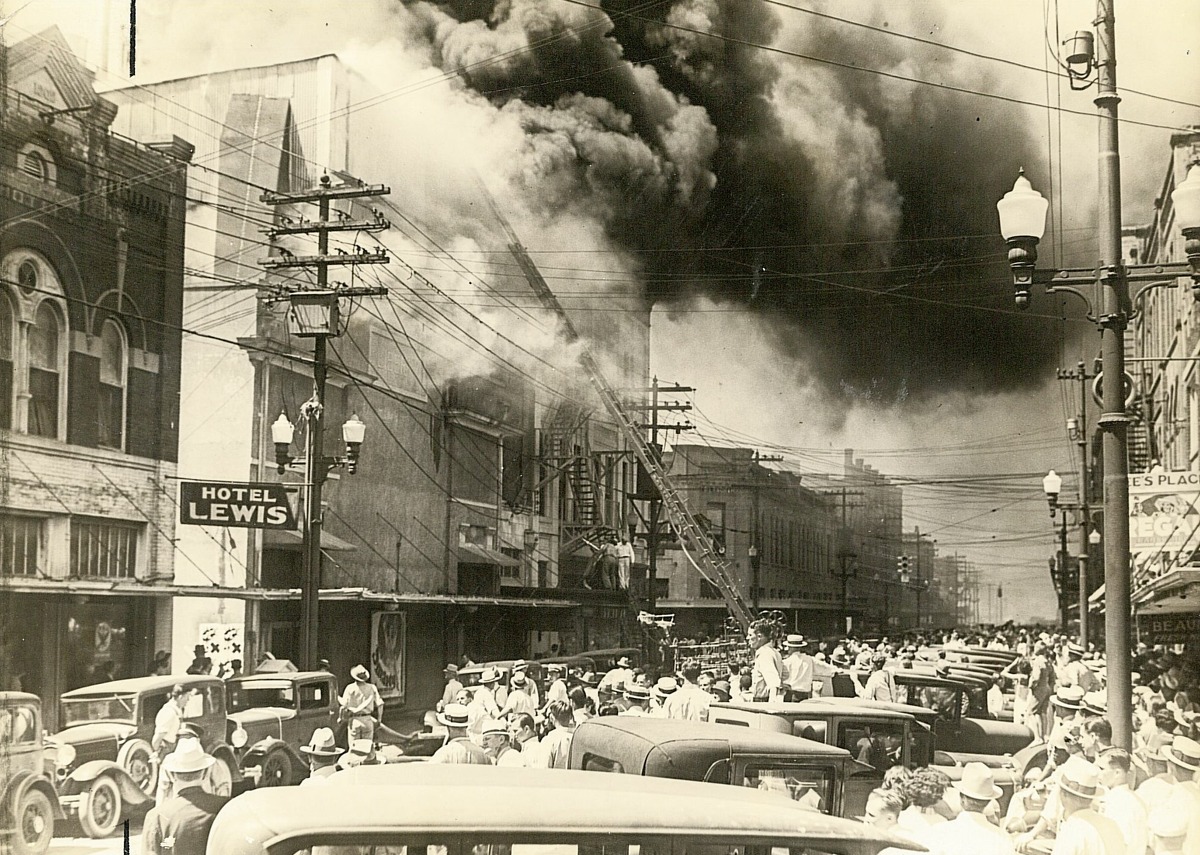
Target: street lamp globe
x=1052, y=486
x=1186, y=199
x=1094, y=538
x=1023, y=211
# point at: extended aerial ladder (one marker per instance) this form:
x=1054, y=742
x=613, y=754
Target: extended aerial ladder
x=697, y=545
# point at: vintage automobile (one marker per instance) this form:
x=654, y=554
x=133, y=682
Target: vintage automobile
x=387, y=810
x=104, y=764
x=847, y=722
x=272, y=715
x=606, y=660
x=805, y=770
x=28, y=799
x=877, y=738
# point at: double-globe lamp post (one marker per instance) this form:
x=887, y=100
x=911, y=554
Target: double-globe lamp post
x=1022, y=223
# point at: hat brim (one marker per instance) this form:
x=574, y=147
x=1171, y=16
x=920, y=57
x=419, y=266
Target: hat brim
x=996, y=792
x=360, y=674
x=442, y=720
x=321, y=752
x=1170, y=756
x=200, y=763
x=1065, y=785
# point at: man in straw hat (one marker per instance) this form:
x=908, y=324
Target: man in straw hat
x=970, y=831
x=617, y=677
x=459, y=749
x=361, y=704
x=1183, y=762
x=180, y=825
x=1168, y=831
x=453, y=686
x=498, y=746
x=1157, y=781
x=638, y=697
x=556, y=673
x=800, y=669
x=1076, y=672
x=689, y=702
x=519, y=699
x=322, y=753
x=1084, y=831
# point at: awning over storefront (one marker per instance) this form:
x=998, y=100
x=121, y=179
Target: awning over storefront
x=128, y=588
x=469, y=553
x=1171, y=593
x=294, y=540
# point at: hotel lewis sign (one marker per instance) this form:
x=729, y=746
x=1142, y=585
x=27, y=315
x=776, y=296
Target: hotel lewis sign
x=239, y=505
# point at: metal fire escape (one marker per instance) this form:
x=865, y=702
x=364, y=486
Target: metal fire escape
x=695, y=541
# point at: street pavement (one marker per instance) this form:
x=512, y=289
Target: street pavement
x=114, y=845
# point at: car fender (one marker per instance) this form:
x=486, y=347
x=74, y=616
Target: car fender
x=18, y=786
x=224, y=752
x=265, y=746
x=88, y=772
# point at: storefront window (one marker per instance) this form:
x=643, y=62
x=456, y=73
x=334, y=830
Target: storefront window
x=96, y=648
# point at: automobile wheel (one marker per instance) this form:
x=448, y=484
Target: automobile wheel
x=220, y=778
x=103, y=811
x=34, y=824
x=276, y=770
x=138, y=759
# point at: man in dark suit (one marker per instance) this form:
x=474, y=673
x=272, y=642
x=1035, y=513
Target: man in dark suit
x=180, y=825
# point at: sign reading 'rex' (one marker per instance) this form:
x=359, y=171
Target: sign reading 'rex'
x=240, y=505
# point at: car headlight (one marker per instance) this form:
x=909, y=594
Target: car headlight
x=64, y=754
x=239, y=737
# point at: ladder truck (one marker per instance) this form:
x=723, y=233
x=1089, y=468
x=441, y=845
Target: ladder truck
x=697, y=545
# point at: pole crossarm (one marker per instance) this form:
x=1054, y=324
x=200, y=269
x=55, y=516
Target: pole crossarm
x=363, y=256
x=378, y=224
x=324, y=193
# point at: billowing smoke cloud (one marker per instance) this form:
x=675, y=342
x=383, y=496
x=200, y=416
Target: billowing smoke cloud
x=854, y=212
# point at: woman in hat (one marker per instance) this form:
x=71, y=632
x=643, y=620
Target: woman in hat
x=322, y=753
x=361, y=704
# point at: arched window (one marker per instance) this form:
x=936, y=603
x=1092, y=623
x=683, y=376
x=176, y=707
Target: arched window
x=112, y=385
x=37, y=162
x=45, y=369
x=7, y=337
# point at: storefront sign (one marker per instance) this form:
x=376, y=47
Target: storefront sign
x=239, y=505
x=1164, y=512
x=1169, y=629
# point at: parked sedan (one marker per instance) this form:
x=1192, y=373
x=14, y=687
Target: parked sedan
x=416, y=807
x=28, y=800
x=272, y=715
x=104, y=762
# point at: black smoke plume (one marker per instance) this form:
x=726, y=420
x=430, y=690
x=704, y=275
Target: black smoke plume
x=855, y=213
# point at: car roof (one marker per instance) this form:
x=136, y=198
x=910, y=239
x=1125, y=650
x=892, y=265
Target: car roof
x=432, y=799
x=293, y=676
x=661, y=733
x=926, y=677
x=133, y=685
x=8, y=698
x=914, y=710
x=843, y=706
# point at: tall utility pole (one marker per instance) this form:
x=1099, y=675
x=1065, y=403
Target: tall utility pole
x=1080, y=435
x=316, y=464
x=1113, y=421
x=847, y=565
x=655, y=500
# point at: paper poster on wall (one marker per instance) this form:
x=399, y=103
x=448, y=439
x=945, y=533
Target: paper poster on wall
x=388, y=642
x=222, y=644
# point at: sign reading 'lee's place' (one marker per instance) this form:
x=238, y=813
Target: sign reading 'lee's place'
x=240, y=505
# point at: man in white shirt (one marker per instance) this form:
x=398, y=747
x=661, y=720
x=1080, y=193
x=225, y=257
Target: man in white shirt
x=1120, y=804
x=1183, y=763
x=361, y=704
x=766, y=676
x=1083, y=831
x=556, y=747
x=638, y=698
x=625, y=556
x=168, y=720
x=689, y=701
x=556, y=673
x=800, y=669
x=523, y=733
x=518, y=700
x=617, y=678
x=970, y=831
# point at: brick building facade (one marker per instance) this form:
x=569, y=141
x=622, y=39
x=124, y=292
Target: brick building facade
x=91, y=270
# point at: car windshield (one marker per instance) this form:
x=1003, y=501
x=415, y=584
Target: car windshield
x=109, y=707
x=248, y=694
x=812, y=786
